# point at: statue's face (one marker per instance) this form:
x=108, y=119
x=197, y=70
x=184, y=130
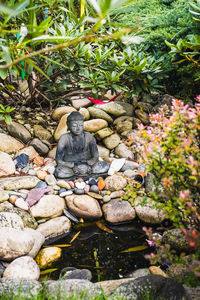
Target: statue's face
x=76, y=127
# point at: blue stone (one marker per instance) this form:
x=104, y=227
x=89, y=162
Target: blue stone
x=41, y=185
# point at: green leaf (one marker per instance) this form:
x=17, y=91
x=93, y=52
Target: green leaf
x=3, y=73
x=8, y=119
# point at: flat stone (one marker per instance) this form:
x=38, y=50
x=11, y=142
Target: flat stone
x=7, y=166
x=103, y=133
x=112, y=108
x=29, y=289
x=48, y=206
x=19, y=131
x=147, y=213
x=116, y=211
x=55, y=226
x=116, y=166
x=63, y=184
x=95, y=125
x=84, y=206
x=85, y=113
x=80, y=102
x=22, y=268
x=62, y=127
x=35, y=195
x=115, y=183
x=11, y=220
x=30, y=151
x=112, y=141
x=47, y=256
x=21, y=182
x=14, y=243
x=100, y=114
x=39, y=146
x=76, y=274
x=61, y=111
x=9, y=144
x=20, y=203
x=95, y=195
x=123, y=151
x=42, y=133
x=4, y=196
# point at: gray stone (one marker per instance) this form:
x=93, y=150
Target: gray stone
x=9, y=144
x=4, y=196
x=19, y=131
x=175, y=238
x=55, y=226
x=79, y=191
x=129, y=108
x=115, y=183
x=99, y=114
x=61, y=111
x=22, y=268
x=11, y=220
x=138, y=273
x=21, y=182
x=7, y=166
x=20, y=288
x=103, y=133
x=123, y=151
x=112, y=108
x=84, y=206
x=144, y=106
x=78, y=102
x=143, y=116
x=125, y=125
x=70, y=287
x=95, y=125
x=42, y=133
x=148, y=212
x=112, y=141
x=39, y=146
x=76, y=274
x=14, y=243
x=116, y=211
x=94, y=189
x=48, y=206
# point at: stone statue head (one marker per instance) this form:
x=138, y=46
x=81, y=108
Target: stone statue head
x=75, y=122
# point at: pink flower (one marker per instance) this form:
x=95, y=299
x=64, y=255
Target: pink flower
x=150, y=243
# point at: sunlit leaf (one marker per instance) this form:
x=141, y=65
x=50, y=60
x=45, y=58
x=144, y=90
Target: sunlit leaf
x=135, y=249
x=48, y=271
x=75, y=236
x=103, y=227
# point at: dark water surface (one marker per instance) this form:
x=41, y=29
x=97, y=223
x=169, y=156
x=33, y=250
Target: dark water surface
x=99, y=251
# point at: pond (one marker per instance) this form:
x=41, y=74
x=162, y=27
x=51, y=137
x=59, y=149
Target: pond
x=101, y=252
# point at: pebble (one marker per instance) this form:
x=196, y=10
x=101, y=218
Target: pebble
x=41, y=174
x=32, y=172
x=38, y=160
x=51, y=169
x=71, y=183
x=87, y=188
x=129, y=173
x=21, y=203
x=94, y=189
x=41, y=185
x=67, y=193
x=79, y=191
x=92, y=181
x=106, y=198
x=13, y=198
x=50, y=179
x=116, y=194
x=101, y=184
x=56, y=187
x=95, y=195
x=64, y=184
x=80, y=185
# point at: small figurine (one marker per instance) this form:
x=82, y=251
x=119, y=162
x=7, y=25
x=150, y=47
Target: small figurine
x=77, y=153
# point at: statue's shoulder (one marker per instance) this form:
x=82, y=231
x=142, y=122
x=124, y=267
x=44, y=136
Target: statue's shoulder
x=88, y=135
x=64, y=137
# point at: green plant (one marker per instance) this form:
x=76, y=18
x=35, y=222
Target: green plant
x=5, y=113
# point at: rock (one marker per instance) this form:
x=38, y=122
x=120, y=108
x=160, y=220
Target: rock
x=21, y=161
x=52, y=153
x=9, y=144
x=138, y=273
x=101, y=184
x=21, y=182
x=125, y=125
x=95, y=125
x=106, y=198
x=116, y=165
x=19, y=131
x=99, y=114
x=123, y=151
x=142, y=116
x=67, y=273
x=42, y=133
x=30, y=151
x=39, y=146
x=116, y=211
x=131, y=164
x=112, y=141
x=61, y=111
x=64, y=289
x=117, y=194
x=20, y=288
x=144, y=106
x=95, y=195
x=50, y=179
x=103, y=152
x=112, y=108
x=62, y=127
x=78, y=102
x=85, y=113
x=22, y=268
x=63, y=184
x=80, y=185
x=4, y=195
x=38, y=160
x=47, y=256
x=55, y=226
x=129, y=108
x=48, y=206
x=38, y=239
x=41, y=174
x=157, y=271
x=41, y=185
x=14, y=243
x=147, y=213
x=10, y=220
x=103, y=133
x=20, y=203
x=175, y=238
x=7, y=166
x=149, y=183
x=6, y=206
x=94, y=189
x=35, y=195
x=130, y=173
x=65, y=192
x=156, y=286
x=84, y=206
x=115, y=182
x=79, y=191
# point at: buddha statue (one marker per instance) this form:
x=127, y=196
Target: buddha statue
x=77, y=153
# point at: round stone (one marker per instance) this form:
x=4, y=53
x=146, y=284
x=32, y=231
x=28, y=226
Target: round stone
x=79, y=191
x=94, y=189
x=106, y=198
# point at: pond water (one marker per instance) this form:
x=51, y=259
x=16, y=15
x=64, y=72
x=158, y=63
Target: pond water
x=101, y=252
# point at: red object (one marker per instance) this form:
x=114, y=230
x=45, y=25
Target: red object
x=97, y=101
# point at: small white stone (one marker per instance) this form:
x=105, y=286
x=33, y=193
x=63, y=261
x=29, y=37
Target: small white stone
x=21, y=203
x=67, y=193
x=32, y=172
x=80, y=185
x=116, y=165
